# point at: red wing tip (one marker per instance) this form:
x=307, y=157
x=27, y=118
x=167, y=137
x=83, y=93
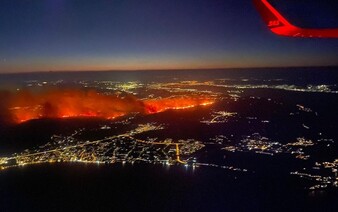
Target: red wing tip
x=279, y=25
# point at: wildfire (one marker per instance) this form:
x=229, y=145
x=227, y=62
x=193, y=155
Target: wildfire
x=177, y=103
x=25, y=105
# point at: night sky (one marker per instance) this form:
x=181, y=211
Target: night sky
x=51, y=35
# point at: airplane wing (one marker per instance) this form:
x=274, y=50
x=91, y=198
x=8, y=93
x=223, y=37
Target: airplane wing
x=281, y=26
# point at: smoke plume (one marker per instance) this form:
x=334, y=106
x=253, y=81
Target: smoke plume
x=26, y=105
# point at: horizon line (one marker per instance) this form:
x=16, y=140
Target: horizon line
x=172, y=69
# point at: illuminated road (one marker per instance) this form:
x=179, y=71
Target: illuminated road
x=178, y=154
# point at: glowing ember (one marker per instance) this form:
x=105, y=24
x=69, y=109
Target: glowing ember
x=24, y=105
x=159, y=105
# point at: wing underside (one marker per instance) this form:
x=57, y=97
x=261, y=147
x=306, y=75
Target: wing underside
x=279, y=25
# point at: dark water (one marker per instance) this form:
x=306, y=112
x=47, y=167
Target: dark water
x=76, y=187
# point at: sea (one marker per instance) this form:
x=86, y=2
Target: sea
x=146, y=187
x=154, y=187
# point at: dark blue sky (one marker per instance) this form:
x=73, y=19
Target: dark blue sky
x=44, y=35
